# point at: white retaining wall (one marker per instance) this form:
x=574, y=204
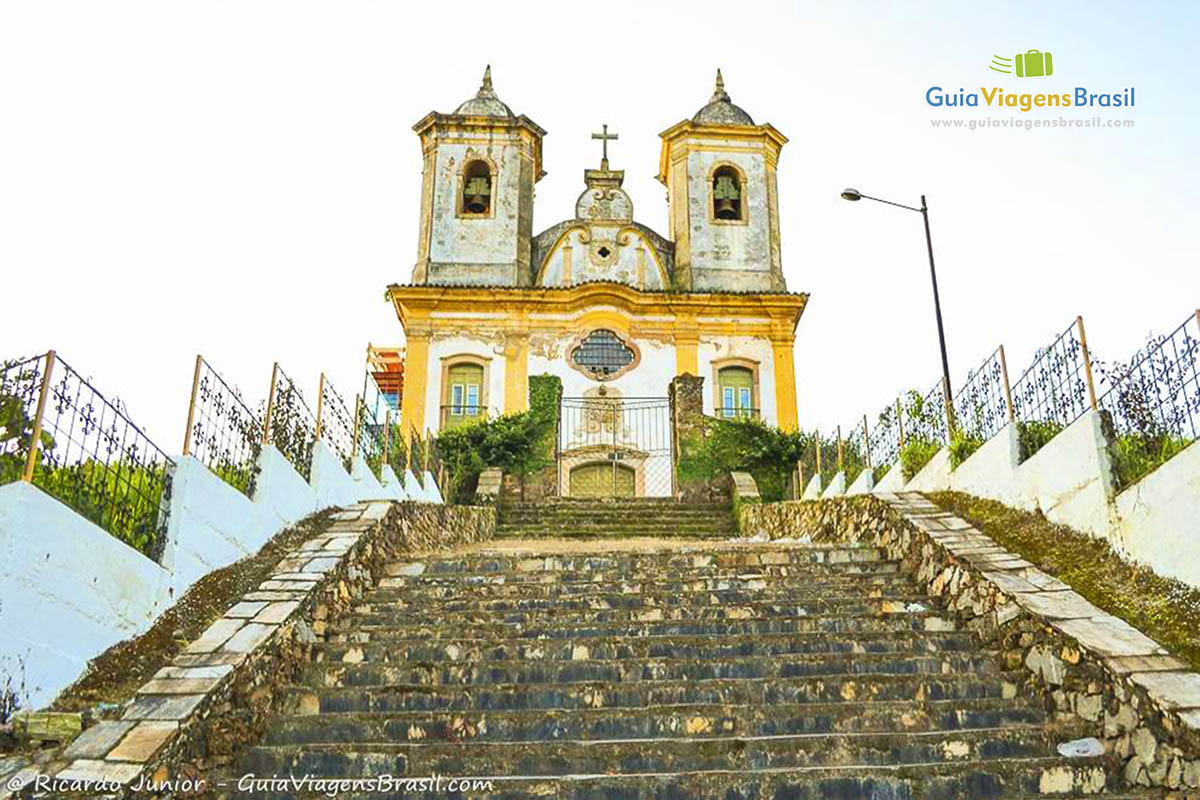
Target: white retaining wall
x=1155, y=522
x=69, y=589
x=837, y=485
x=863, y=484
x=813, y=490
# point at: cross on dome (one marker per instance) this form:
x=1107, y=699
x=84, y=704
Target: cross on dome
x=604, y=136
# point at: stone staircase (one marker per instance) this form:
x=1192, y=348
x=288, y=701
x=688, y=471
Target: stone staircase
x=651, y=517
x=682, y=668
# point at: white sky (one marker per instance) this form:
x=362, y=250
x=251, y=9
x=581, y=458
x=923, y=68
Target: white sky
x=241, y=179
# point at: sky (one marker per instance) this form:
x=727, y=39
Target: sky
x=240, y=179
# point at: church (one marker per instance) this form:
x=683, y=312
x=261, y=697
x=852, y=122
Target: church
x=607, y=304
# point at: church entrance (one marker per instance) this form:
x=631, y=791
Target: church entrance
x=613, y=446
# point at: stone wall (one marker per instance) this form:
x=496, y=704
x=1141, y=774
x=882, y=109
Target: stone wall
x=689, y=427
x=193, y=716
x=1144, y=704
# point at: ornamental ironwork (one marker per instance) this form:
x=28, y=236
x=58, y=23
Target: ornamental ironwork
x=603, y=355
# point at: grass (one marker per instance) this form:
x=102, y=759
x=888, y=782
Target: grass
x=915, y=455
x=1165, y=609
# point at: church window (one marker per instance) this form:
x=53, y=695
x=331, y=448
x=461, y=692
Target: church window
x=602, y=355
x=736, y=392
x=477, y=188
x=727, y=194
x=463, y=398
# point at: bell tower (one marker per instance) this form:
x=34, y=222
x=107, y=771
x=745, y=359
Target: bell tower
x=719, y=170
x=480, y=165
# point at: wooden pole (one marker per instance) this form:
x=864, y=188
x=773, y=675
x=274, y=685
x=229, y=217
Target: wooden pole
x=357, y=422
x=948, y=402
x=35, y=439
x=841, y=462
x=1012, y=410
x=900, y=421
x=270, y=404
x=799, y=480
x=817, y=439
x=320, y=404
x=867, y=441
x=1087, y=362
x=387, y=438
x=187, y=434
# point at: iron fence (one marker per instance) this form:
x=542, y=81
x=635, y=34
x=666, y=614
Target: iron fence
x=884, y=439
x=615, y=446
x=856, y=454
x=740, y=412
x=1055, y=388
x=925, y=416
x=83, y=449
x=290, y=426
x=1153, y=402
x=222, y=431
x=335, y=422
x=370, y=435
x=981, y=407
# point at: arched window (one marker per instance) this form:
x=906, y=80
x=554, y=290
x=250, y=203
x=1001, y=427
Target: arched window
x=727, y=194
x=735, y=392
x=463, y=394
x=477, y=188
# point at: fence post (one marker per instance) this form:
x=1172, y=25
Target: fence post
x=900, y=421
x=320, y=406
x=841, y=460
x=35, y=439
x=1012, y=411
x=187, y=434
x=1087, y=362
x=387, y=438
x=357, y=423
x=817, y=439
x=270, y=405
x=867, y=441
x=799, y=481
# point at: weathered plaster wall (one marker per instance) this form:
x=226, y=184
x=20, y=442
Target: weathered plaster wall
x=68, y=590
x=729, y=255
x=469, y=249
x=1157, y=520
x=632, y=258
x=548, y=355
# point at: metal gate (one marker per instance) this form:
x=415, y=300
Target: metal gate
x=615, y=447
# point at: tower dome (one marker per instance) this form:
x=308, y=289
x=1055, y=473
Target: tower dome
x=720, y=110
x=485, y=103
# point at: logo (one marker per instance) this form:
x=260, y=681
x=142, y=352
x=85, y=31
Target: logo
x=1030, y=64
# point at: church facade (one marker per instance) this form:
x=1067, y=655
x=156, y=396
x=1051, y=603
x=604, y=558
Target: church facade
x=610, y=306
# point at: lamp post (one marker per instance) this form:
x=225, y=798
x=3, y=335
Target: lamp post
x=854, y=195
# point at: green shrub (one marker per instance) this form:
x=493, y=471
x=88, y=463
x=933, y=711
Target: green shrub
x=962, y=445
x=768, y=453
x=1134, y=456
x=881, y=472
x=915, y=455
x=1033, y=435
x=520, y=443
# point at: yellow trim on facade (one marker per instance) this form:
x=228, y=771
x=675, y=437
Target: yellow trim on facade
x=416, y=369
x=516, y=373
x=785, y=384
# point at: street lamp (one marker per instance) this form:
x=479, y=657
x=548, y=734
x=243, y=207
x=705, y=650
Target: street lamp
x=854, y=195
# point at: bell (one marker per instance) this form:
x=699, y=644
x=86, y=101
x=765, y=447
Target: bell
x=726, y=209
x=476, y=195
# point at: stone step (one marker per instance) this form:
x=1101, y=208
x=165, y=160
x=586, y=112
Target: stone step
x=1011, y=779
x=699, y=721
x=353, y=629
x=448, y=617
x=732, y=557
x=635, y=670
x=857, y=690
x=798, y=574
x=456, y=586
x=713, y=646
x=808, y=603
x=713, y=532
x=656, y=755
